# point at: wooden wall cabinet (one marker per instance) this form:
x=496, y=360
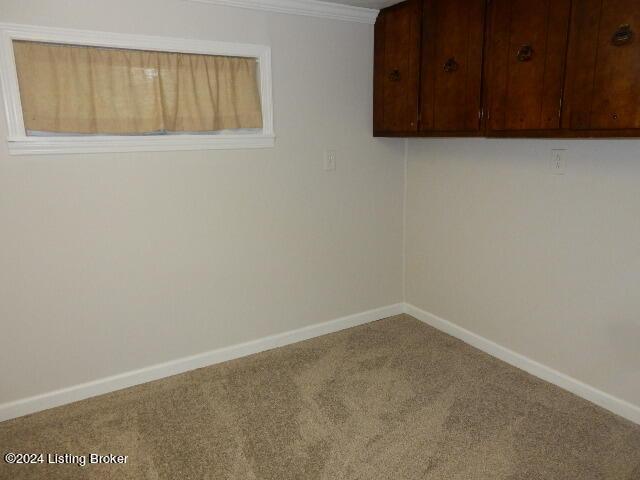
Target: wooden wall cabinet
x=526, y=50
x=520, y=68
x=602, y=92
x=451, y=76
x=397, y=65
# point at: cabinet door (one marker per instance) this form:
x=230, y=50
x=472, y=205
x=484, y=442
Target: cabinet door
x=603, y=70
x=396, y=70
x=453, y=32
x=526, y=59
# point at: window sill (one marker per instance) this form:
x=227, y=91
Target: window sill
x=53, y=145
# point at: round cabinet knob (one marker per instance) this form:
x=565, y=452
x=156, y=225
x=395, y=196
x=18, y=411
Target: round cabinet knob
x=394, y=75
x=451, y=65
x=622, y=36
x=525, y=53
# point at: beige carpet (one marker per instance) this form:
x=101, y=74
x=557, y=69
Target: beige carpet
x=393, y=399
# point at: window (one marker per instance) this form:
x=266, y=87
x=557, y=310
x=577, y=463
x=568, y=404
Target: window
x=72, y=91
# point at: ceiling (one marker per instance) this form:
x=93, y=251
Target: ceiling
x=377, y=4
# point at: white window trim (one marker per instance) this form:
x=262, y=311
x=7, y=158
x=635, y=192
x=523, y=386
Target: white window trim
x=20, y=143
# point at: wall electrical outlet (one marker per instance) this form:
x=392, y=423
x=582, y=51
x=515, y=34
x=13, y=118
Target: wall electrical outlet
x=330, y=159
x=558, y=161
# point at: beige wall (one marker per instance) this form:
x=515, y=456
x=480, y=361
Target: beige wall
x=548, y=266
x=112, y=262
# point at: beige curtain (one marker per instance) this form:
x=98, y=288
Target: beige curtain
x=90, y=90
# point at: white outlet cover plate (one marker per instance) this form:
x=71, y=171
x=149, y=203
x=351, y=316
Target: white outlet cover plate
x=330, y=160
x=558, y=162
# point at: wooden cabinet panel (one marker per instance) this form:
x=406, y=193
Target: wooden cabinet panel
x=435, y=70
x=525, y=68
x=397, y=63
x=451, y=83
x=603, y=76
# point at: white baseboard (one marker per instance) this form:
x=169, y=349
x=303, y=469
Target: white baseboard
x=82, y=391
x=63, y=396
x=592, y=394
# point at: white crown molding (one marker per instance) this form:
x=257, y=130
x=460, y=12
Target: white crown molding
x=309, y=8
